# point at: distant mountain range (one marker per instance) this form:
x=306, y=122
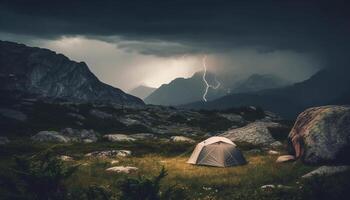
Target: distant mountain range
x=183, y=91
x=47, y=75
x=142, y=91
x=328, y=86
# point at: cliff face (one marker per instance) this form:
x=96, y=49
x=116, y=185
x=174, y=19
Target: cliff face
x=46, y=74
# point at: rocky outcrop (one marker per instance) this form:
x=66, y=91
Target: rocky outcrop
x=109, y=154
x=118, y=138
x=322, y=135
x=66, y=135
x=256, y=133
x=326, y=171
x=49, y=75
x=50, y=136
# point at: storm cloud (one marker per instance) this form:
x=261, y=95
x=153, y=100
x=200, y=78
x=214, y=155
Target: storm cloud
x=312, y=33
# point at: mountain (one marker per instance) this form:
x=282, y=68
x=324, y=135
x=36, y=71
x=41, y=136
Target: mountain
x=142, y=91
x=257, y=82
x=328, y=86
x=182, y=91
x=47, y=75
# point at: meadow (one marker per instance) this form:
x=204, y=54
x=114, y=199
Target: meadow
x=188, y=181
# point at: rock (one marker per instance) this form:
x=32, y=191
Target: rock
x=143, y=136
x=326, y=171
x=4, y=140
x=114, y=162
x=233, y=117
x=129, y=121
x=122, y=169
x=181, y=139
x=77, y=116
x=285, y=158
x=119, y=138
x=66, y=135
x=66, y=158
x=100, y=114
x=272, y=152
x=50, y=136
x=271, y=187
x=276, y=144
x=13, y=114
x=108, y=154
x=84, y=136
x=268, y=187
x=256, y=133
x=322, y=135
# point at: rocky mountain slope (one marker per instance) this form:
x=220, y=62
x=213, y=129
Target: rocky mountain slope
x=182, y=91
x=47, y=75
x=328, y=86
x=142, y=91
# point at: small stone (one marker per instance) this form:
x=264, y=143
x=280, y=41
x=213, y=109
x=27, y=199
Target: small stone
x=122, y=169
x=181, y=139
x=285, y=158
x=114, y=162
x=272, y=152
x=268, y=187
x=66, y=158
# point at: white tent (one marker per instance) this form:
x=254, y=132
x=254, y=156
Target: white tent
x=218, y=152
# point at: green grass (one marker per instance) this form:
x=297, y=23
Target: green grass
x=198, y=182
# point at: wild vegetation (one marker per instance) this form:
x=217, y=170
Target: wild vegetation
x=162, y=174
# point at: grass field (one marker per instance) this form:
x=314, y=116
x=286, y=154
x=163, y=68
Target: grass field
x=197, y=182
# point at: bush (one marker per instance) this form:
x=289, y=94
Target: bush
x=41, y=176
x=148, y=189
x=93, y=192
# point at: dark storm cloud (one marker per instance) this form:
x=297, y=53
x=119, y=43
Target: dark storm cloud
x=319, y=26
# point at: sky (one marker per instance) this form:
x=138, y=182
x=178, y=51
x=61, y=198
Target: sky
x=151, y=42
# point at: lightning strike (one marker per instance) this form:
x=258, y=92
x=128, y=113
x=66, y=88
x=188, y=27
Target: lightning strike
x=207, y=85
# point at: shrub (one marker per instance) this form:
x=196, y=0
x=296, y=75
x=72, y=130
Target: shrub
x=41, y=176
x=148, y=189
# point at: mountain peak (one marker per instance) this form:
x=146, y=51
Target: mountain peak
x=49, y=75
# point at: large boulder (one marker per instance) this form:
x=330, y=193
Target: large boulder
x=256, y=133
x=322, y=135
x=326, y=171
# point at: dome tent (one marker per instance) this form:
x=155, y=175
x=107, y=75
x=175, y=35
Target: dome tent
x=218, y=152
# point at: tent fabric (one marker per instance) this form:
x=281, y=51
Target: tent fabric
x=218, y=152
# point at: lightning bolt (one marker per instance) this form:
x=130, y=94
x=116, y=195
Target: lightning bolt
x=207, y=85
